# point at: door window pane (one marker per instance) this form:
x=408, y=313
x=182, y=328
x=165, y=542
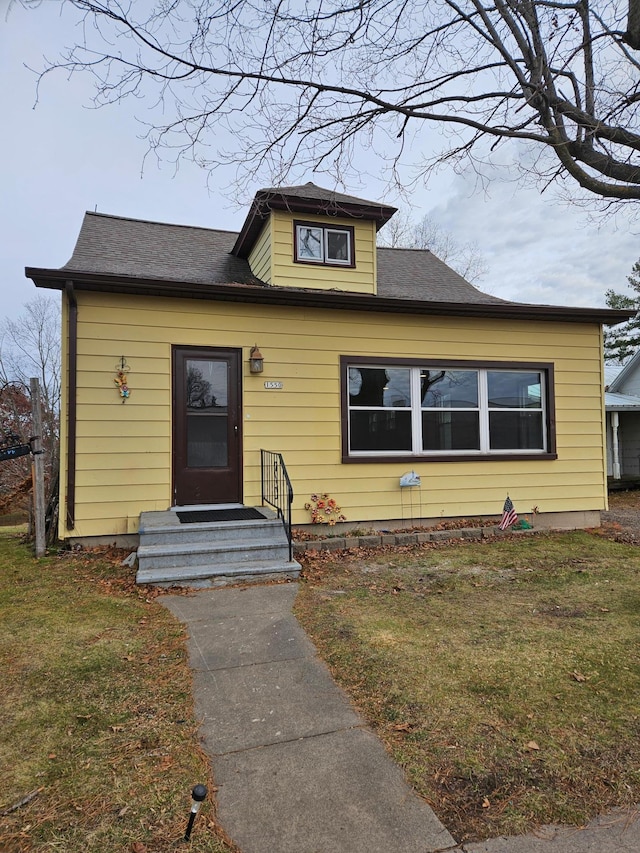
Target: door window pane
x=207, y=413
x=207, y=441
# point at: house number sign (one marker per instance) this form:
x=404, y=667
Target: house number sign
x=273, y=385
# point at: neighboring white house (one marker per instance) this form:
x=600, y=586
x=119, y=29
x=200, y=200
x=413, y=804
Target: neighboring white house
x=622, y=403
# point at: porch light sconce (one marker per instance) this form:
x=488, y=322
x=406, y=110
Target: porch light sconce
x=256, y=360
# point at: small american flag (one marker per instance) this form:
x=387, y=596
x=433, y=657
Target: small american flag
x=509, y=515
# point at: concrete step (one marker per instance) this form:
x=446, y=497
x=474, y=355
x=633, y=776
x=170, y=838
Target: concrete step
x=213, y=552
x=155, y=526
x=229, y=531
x=207, y=553
x=209, y=575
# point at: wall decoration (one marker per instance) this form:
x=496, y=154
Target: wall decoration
x=122, y=369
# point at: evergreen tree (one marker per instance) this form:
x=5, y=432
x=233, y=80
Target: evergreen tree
x=622, y=341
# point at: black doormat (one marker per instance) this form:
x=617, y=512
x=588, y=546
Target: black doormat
x=242, y=513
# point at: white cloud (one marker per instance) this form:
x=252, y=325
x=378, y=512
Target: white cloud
x=539, y=248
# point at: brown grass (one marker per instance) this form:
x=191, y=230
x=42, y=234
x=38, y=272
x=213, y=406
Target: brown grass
x=98, y=734
x=629, y=499
x=502, y=676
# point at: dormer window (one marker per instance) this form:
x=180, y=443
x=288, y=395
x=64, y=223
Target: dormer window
x=323, y=244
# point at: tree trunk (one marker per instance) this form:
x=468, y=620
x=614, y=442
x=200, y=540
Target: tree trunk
x=38, y=468
x=633, y=25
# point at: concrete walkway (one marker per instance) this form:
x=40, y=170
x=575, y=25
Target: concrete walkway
x=297, y=769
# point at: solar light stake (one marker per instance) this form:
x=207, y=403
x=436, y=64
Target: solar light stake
x=197, y=795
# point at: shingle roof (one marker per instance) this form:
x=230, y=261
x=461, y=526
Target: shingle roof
x=116, y=254
x=111, y=245
x=419, y=275
x=313, y=191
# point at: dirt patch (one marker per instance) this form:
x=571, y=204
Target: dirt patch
x=622, y=520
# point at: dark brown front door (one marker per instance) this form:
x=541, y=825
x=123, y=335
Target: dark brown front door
x=206, y=426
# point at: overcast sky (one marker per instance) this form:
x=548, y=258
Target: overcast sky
x=62, y=157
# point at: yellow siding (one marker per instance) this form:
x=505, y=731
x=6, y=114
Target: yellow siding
x=361, y=279
x=124, y=450
x=260, y=256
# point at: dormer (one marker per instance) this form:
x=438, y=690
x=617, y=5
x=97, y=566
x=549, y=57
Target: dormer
x=309, y=237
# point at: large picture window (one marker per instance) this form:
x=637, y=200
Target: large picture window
x=446, y=410
x=321, y=244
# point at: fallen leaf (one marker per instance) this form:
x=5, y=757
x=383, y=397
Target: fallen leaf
x=578, y=676
x=403, y=727
x=138, y=847
x=532, y=745
x=52, y=755
x=485, y=803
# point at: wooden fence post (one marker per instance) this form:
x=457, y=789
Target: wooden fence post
x=38, y=467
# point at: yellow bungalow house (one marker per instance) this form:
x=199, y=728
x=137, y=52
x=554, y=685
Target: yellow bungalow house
x=188, y=351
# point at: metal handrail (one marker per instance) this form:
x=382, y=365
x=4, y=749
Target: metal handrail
x=277, y=490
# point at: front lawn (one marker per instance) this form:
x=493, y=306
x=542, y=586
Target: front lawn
x=503, y=676
x=99, y=750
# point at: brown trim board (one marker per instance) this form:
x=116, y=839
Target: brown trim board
x=72, y=398
x=309, y=298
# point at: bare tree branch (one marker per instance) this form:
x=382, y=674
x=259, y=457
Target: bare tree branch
x=402, y=232
x=30, y=347
x=302, y=82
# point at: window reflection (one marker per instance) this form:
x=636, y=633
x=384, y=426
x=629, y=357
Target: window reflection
x=207, y=413
x=449, y=389
x=514, y=390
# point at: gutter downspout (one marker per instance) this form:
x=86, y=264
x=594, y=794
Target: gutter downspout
x=72, y=405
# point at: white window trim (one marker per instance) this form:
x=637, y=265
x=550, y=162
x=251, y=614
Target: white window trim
x=483, y=409
x=325, y=260
x=340, y=261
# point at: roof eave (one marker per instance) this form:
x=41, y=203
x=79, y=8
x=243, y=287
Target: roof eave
x=265, y=202
x=329, y=299
x=619, y=380
x=619, y=407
